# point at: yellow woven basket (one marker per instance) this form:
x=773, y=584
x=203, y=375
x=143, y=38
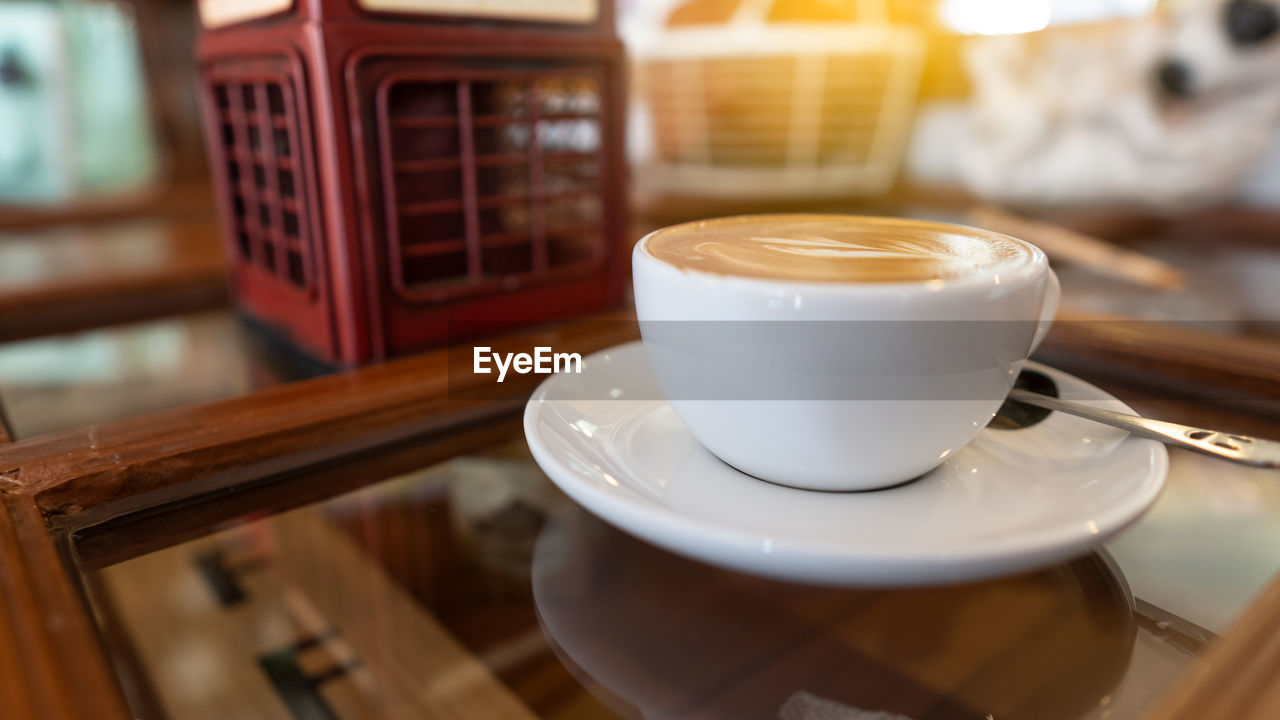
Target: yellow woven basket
x=756, y=109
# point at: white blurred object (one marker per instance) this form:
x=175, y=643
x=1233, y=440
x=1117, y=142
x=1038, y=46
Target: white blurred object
x=996, y=17
x=1263, y=187
x=1003, y=17
x=941, y=127
x=1077, y=119
x=752, y=108
x=73, y=103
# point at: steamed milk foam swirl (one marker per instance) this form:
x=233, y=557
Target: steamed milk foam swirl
x=834, y=248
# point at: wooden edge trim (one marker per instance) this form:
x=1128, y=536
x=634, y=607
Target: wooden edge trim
x=51, y=662
x=139, y=462
x=137, y=534
x=1237, y=678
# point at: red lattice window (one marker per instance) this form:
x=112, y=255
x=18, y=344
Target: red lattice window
x=492, y=178
x=260, y=145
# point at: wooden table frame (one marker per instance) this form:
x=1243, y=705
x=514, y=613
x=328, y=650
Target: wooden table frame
x=89, y=497
x=189, y=275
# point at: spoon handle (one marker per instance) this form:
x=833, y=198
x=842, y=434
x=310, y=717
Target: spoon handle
x=1236, y=448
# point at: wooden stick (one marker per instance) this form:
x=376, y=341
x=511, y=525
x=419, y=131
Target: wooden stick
x=1068, y=245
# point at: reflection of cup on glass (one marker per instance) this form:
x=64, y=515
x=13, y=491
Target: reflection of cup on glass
x=658, y=636
x=836, y=352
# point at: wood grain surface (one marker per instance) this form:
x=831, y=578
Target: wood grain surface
x=144, y=532
x=52, y=665
x=51, y=662
x=69, y=278
x=93, y=473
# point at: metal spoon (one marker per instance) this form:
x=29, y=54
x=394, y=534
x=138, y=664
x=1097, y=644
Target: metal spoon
x=1038, y=390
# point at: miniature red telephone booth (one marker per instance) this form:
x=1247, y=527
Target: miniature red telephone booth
x=391, y=170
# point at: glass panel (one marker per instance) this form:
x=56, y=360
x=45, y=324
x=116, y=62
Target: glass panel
x=474, y=588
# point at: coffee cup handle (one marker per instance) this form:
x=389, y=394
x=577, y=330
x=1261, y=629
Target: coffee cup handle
x=1048, y=308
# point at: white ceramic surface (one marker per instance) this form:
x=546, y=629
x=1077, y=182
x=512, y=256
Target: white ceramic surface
x=775, y=377
x=1009, y=501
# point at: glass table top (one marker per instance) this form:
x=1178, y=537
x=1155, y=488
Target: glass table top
x=474, y=588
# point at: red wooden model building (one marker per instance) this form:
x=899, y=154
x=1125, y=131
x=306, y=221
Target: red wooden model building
x=390, y=171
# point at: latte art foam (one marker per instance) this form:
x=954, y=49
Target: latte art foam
x=834, y=248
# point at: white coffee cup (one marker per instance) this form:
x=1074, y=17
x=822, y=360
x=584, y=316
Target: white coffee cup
x=840, y=385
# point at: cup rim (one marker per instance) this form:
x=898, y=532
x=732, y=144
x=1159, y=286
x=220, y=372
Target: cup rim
x=1038, y=262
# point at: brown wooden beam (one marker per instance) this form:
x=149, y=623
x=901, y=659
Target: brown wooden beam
x=51, y=663
x=141, y=533
x=175, y=265
x=87, y=475
x=75, y=306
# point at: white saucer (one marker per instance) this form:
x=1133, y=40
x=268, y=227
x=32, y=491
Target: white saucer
x=1010, y=501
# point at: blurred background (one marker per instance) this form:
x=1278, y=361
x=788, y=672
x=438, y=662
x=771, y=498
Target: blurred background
x=769, y=100
x=1137, y=141
x=196, y=203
